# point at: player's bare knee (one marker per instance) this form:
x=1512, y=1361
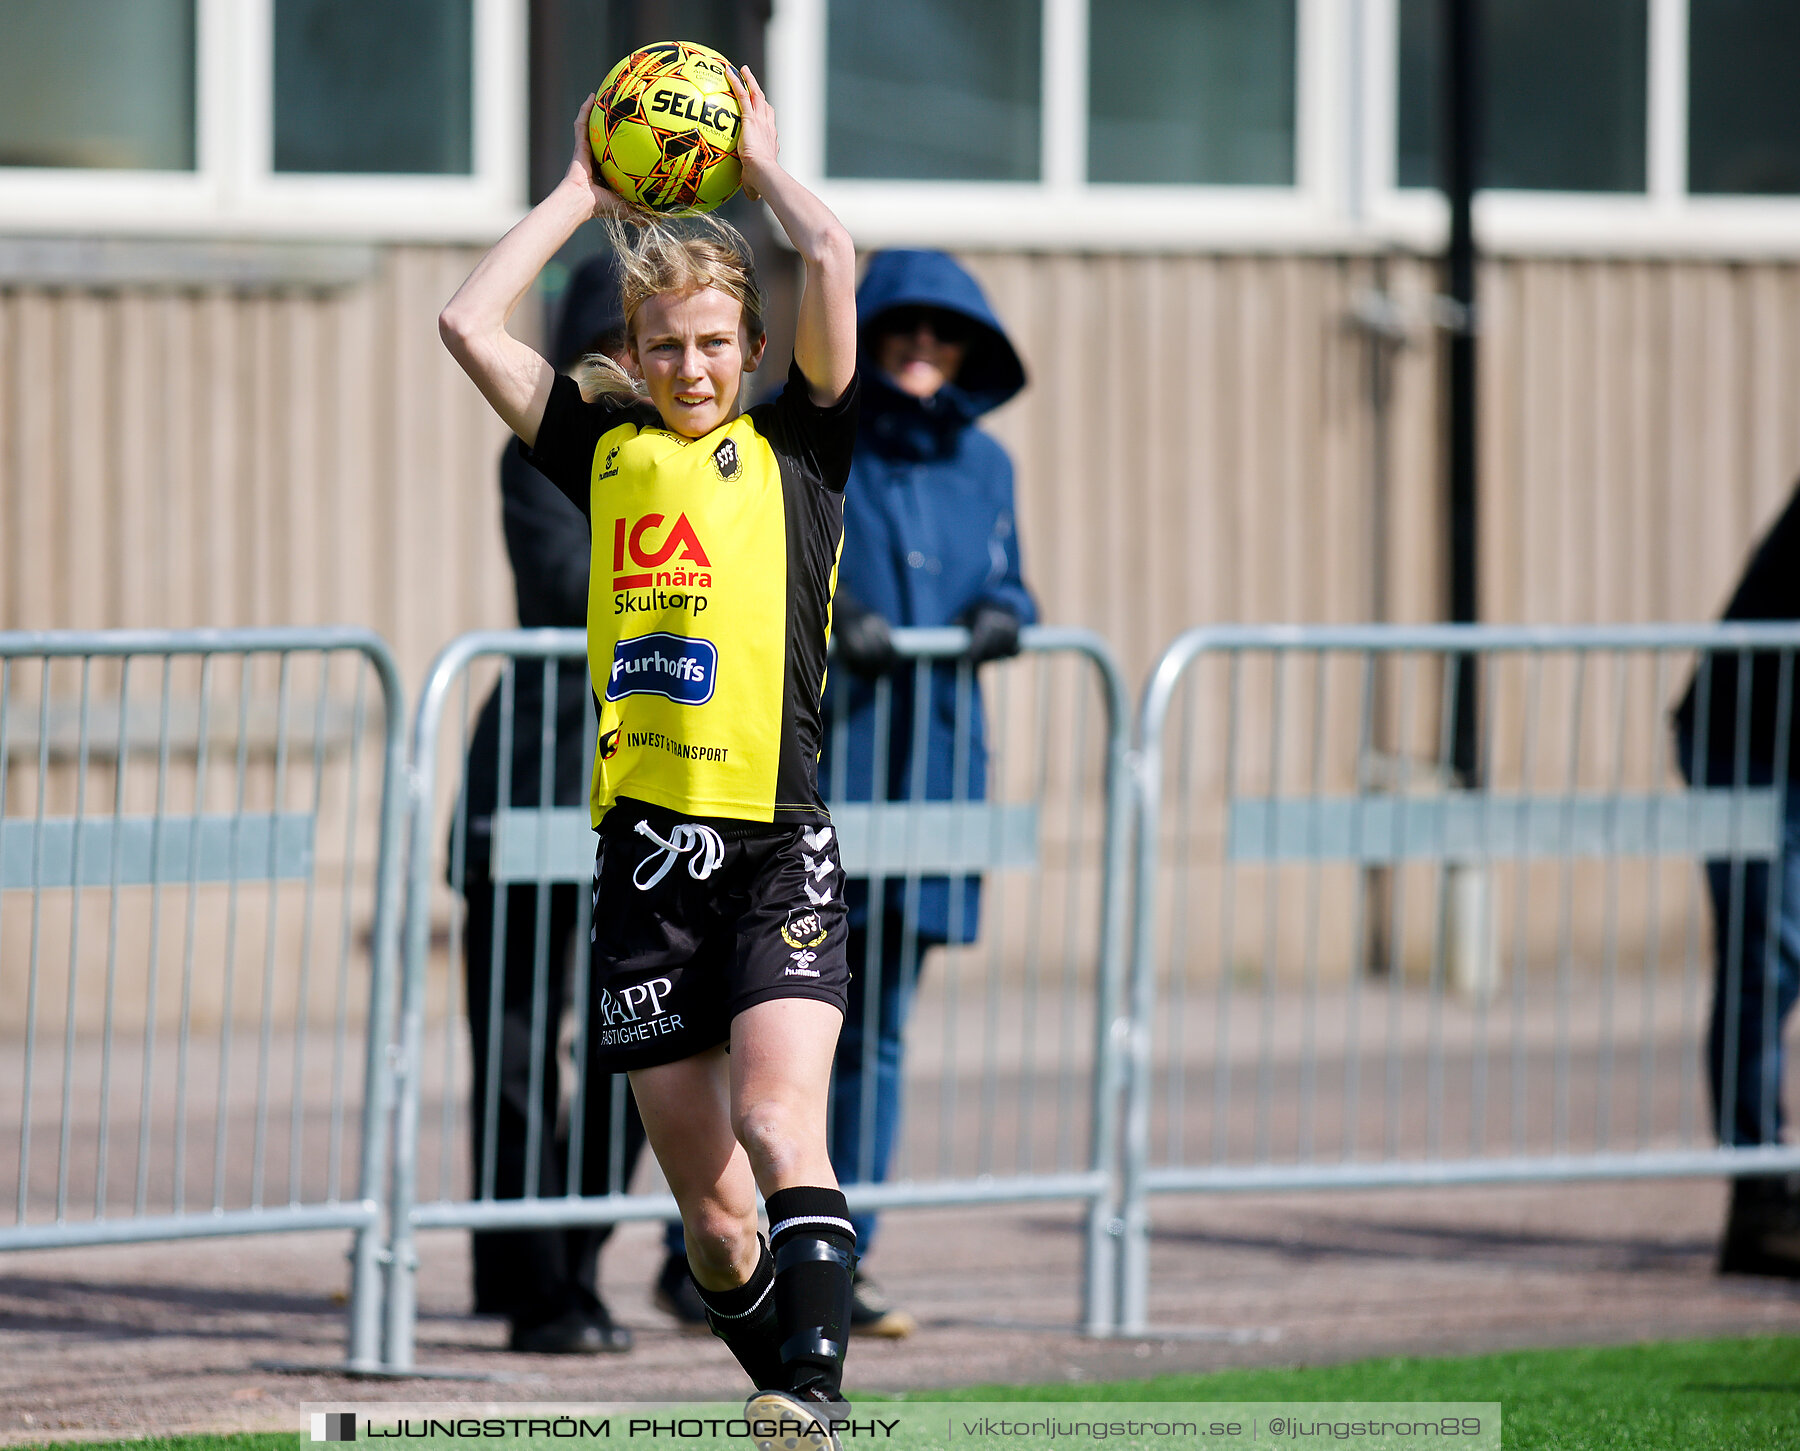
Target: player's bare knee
x=721, y=1246
x=773, y=1136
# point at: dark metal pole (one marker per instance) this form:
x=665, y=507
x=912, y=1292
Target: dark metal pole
x=1461, y=149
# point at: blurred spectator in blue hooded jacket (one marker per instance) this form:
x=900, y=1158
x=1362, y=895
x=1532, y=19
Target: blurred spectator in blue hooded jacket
x=929, y=539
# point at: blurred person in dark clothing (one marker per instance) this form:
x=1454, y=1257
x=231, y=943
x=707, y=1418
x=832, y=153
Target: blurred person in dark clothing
x=545, y=1281
x=1756, y=904
x=929, y=539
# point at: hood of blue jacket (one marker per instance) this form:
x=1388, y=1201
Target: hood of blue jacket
x=991, y=372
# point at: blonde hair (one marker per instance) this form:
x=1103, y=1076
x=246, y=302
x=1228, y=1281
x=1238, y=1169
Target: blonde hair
x=657, y=255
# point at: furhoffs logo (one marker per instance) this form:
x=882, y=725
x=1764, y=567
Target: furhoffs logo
x=334, y=1425
x=725, y=459
x=675, y=667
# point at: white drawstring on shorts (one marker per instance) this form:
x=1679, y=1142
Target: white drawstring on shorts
x=705, y=844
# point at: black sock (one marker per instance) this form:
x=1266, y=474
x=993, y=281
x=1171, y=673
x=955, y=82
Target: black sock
x=815, y=1253
x=745, y=1320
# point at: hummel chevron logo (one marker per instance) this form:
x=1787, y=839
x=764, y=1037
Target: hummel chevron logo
x=816, y=840
x=820, y=869
x=818, y=899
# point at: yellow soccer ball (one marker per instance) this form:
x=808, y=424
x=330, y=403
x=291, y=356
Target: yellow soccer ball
x=664, y=128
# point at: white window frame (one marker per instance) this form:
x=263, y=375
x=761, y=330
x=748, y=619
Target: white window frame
x=1663, y=220
x=1064, y=210
x=1345, y=196
x=234, y=190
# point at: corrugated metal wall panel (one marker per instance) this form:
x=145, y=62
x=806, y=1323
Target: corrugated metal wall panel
x=219, y=458
x=1197, y=440
x=1635, y=440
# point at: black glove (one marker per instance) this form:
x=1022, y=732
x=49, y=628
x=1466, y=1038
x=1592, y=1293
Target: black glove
x=993, y=634
x=865, y=643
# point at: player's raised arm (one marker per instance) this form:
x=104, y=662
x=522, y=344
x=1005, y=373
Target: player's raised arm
x=512, y=376
x=825, y=330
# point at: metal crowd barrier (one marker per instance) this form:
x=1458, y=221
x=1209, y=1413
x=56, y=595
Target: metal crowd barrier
x=199, y=886
x=1354, y=967
x=1351, y=965
x=1014, y=1055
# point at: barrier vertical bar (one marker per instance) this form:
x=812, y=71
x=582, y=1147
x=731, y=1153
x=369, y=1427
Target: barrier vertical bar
x=402, y=1289
x=1133, y=1228
x=456, y=948
x=1308, y=1085
x=380, y=1091
x=141, y=1193
x=222, y=1099
x=120, y=747
x=64, y=1125
x=303, y=987
x=1106, y=1226
x=271, y=911
x=352, y=796
x=1065, y=1084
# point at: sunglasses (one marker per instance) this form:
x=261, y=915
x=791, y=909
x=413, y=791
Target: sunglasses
x=947, y=327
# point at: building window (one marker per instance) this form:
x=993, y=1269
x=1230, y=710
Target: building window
x=1191, y=92
x=374, y=88
x=934, y=90
x=342, y=119
x=1566, y=94
x=1743, y=100
x=98, y=84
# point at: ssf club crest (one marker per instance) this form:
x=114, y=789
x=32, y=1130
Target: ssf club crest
x=804, y=928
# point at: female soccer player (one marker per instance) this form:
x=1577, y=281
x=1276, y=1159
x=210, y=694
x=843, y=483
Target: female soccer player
x=718, y=895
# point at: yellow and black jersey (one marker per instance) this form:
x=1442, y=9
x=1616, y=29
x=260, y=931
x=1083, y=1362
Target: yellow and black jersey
x=709, y=596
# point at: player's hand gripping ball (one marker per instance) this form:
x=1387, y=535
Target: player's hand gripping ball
x=664, y=128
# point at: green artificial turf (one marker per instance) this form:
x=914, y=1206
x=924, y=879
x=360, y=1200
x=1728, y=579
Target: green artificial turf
x=1701, y=1395
x=1734, y=1395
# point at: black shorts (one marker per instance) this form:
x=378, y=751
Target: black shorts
x=696, y=921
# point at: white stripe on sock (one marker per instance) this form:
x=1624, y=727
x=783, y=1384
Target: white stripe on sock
x=743, y=1314
x=798, y=1219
